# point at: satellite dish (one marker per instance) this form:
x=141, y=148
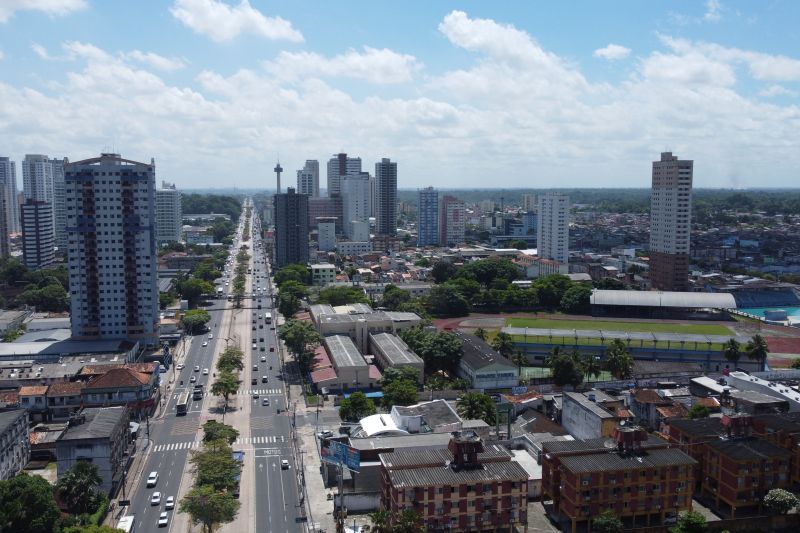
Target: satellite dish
x=609, y=443
x=622, y=423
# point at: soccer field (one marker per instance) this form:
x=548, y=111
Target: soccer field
x=613, y=325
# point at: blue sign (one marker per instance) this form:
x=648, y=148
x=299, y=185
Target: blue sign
x=518, y=390
x=340, y=453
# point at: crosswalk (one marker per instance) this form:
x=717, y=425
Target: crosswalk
x=195, y=444
x=250, y=392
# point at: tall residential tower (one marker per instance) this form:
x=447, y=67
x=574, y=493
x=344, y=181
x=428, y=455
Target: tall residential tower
x=428, y=217
x=338, y=166
x=552, y=232
x=291, y=228
x=308, y=178
x=386, y=194
x=670, y=223
x=452, y=221
x=169, y=214
x=8, y=191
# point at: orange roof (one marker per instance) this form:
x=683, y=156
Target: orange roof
x=9, y=397
x=119, y=377
x=96, y=370
x=711, y=403
x=648, y=396
x=673, y=411
x=65, y=388
x=33, y=390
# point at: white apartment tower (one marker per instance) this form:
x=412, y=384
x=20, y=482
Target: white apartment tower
x=552, y=235
x=670, y=222
x=326, y=234
x=112, y=249
x=38, y=238
x=529, y=202
x=169, y=214
x=355, y=201
x=8, y=191
x=37, y=178
x=338, y=166
x=308, y=178
x=386, y=194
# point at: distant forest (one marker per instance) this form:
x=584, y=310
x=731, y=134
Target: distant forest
x=211, y=203
x=771, y=201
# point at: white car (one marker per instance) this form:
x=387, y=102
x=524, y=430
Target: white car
x=284, y=464
x=192, y=379
x=155, y=499
x=170, y=503
x=163, y=519
x=152, y=479
x=263, y=358
x=210, y=335
x=205, y=371
x=205, y=343
x=196, y=368
x=179, y=366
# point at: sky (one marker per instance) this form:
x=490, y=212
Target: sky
x=472, y=94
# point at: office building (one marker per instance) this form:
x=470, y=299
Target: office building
x=15, y=448
x=8, y=191
x=373, y=196
x=38, y=240
x=112, y=249
x=452, y=221
x=428, y=217
x=59, y=204
x=326, y=234
x=386, y=193
x=324, y=207
x=4, y=237
x=670, y=223
x=308, y=178
x=291, y=228
x=169, y=214
x=552, y=235
x=355, y=201
x=340, y=165
x=529, y=203
x=37, y=178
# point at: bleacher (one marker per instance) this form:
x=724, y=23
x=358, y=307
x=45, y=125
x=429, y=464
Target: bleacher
x=782, y=297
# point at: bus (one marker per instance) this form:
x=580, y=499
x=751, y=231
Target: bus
x=126, y=523
x=183, y=403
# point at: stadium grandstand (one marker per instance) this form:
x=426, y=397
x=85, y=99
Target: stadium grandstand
x=661, y=304
x=761, y=293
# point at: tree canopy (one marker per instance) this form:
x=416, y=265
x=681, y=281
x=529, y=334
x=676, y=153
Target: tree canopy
x=213, y=430
x=342, y=295
x=212, y=203
x=301, y=339
x=477, y=406
x=356, y=407
x=27, y=505
x=195, y=319
x=440, y=350
x=209, y=507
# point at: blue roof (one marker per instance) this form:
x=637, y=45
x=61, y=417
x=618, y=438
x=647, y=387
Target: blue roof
x=374, y=394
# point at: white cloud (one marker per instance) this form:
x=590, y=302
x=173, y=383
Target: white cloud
x=382, y=66
x=156, y=61
x=777, y=90
x=613, y=52
x=41, y=51
x=2, y=55
x=222, y=22
x=50, y=7
x=713, y=11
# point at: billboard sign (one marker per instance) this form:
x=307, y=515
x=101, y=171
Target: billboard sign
x=518, y=390
x=340, y=453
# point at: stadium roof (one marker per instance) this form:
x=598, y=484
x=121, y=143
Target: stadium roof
x=344, y=352
x=682, y=300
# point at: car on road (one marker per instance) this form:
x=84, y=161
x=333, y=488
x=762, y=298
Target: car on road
x=265, y=401
x=163, y=519
x=155, y=499
x=254, y=381
x=210, y=335
x=254, y=328
x=261, y=326
x=170, y=503
x=271, y=348
x=255, y=368
x=284, y=464
x=205, y=343
x=325, y=434
x=192, y=379
x=255, y=394
x=264, y=379
x=196, y=368
x=205, y=371
x=263, y=358
x=179, y=366
x=152, y=479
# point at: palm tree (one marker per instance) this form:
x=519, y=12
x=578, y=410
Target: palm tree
x=481, y=334
x=757, y=349
x=732, y=351
x=519, y=359
x=554, y=353
x=381, y=522
x=477, y=406
x=504, y=344
x=77, y=487
x=618, y=361
x=591, y=366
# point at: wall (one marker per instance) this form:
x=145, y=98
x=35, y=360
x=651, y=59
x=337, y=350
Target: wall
x=359, y=501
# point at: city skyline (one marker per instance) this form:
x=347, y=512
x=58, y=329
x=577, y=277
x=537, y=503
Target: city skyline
x=455, y=91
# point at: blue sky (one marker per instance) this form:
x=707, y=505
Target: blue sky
x=467, y=94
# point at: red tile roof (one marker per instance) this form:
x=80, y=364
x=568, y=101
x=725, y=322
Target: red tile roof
x=119, y=377
x=326, y=374
x=65, y=388
x=97, y=370
x=33, y=390
x=711, y=403
x=672, y=411
x=374, y=373
x=9, y=397
x=648, y=396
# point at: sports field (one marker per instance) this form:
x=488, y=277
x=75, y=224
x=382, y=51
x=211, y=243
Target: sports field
x=616, y=325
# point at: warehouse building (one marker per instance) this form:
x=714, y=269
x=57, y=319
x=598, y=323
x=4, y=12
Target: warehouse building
x=391, y=352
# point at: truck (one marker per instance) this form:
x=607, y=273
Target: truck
x=219, y=292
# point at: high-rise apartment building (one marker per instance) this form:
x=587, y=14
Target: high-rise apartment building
x=670, y=223
x=291, y=228
x=428, y=217
x=169, y=214
x=308, y=178
x=340, y=165
x=4, y=240
x=529, y=202
x=38, y=239
x=112, y=249
x=326, y=234
x=59, y=204
x=386, y=210
x=37, y=178
x=8, y=190
x=552, y=233
x=355, y=201
x=452, y=221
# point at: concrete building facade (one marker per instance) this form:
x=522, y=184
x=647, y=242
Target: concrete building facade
x=428, y=217
x=452, y=221
x=670, y=222
x=38, y=240
x=552, y=232
x=340, y=165
x=326, y=234
x=355, y=201
x=386, y=193
x=112, y=249
x=291, y=228
x=8, y=191
x=308, y=178
x=15, y=449
x=59, y=204
x=169, y=214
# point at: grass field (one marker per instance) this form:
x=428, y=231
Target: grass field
x=609, y=325
x=570, y=341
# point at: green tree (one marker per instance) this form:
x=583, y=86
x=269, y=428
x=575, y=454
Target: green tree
x=206, y=271
x=195, y=319
x=796, y=363
x=518, y=244
x=466, y=287
x=297, y=272
x=78, y=487
x=380, y=522
x=486, y=271
x=165, y=299
x=576, y=299
x=612, y=284
x=732, y=351
x=293, y=289
x=192, y=288
x=477, y=406
x=225, y=385
x=591, y=366
x=91, y=528
x=214, y=465
x=446, y=300
x=356, y=407
x=504, y=344
x=551, y=289
x=342, y=295
x=699, y=411
x=618, y=360
x=780, y=501
x=288, y=305
x=408, y=521
x=13, y=271
x=442, y=271
x=440, y=350
x=27, y=505
x=208, y=507
x=415, y=305
x=690, y=522
x=480, y=333
x=52, y=297
x=301, y=339
x=394, y=297
x=565, y=369
x=230, y=359
x=399, y=373
x=214, y=431
x=400, y=392
x=757, y=350
x=607, y=522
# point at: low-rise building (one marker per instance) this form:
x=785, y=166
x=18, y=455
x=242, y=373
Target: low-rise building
x=64, y=399
x=590, y=415
x=483, y=366
x=391, y=352
x=125, y=385
x=781, y=430
x=353, y=248
x=100, y=436
x=323, y=274
x=14, y=445
x=34, y=399
x=351, y=369
x=471, y=488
